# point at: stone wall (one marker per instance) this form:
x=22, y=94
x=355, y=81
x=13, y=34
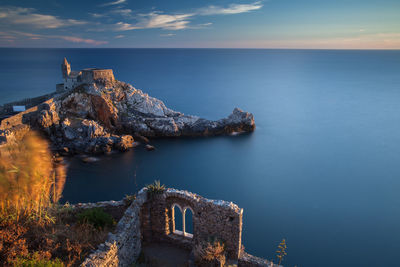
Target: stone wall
x=150, y=218
x=27, y=102
x=247, y=260
x=103, y=74
x=212, y=219
x=91, y=75
x=122, y=247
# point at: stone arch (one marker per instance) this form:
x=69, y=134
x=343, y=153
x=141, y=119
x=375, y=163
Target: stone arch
x=177, y=219
x=188, y=214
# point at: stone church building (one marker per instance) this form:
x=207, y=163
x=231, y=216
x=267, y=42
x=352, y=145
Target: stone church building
x=72, y=79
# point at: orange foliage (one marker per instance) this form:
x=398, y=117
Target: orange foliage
x=29, y=180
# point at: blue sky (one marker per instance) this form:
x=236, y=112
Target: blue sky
x=337, y=24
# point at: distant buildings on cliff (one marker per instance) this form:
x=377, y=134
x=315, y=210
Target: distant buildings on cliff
x=72, y=79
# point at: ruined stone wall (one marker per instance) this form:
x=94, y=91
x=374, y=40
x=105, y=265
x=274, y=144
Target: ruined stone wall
x=212, y=219
x=150, y=219
x=122, y=247
x=247, y=260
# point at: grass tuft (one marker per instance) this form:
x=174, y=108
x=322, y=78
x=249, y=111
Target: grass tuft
x=155, y=188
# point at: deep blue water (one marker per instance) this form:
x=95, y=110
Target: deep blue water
x=322, y=168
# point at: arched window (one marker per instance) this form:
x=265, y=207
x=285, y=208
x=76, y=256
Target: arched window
x=182, y=221
x=178, y=219
x=188, y=230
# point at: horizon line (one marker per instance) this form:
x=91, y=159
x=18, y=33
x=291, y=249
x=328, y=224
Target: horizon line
x=232, y=48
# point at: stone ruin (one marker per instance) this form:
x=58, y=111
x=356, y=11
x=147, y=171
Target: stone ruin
x=151, y=219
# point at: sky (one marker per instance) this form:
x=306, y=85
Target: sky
x=304, y=24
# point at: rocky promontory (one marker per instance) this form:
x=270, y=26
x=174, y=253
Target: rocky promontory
x=102, y=116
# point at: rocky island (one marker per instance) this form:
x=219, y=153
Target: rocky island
x=92, y=112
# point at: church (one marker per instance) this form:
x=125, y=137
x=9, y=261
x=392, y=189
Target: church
x=72, y=79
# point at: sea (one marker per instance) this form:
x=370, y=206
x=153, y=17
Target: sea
x=321, y=170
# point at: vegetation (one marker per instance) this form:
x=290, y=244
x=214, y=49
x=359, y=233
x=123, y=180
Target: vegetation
x=281, y=252
x=155, y=188
x=213, y=250
x=35, y=261
x=30, y=183
x=96, y=217
x=130, y=198
x=64, y=240
x=34, y=229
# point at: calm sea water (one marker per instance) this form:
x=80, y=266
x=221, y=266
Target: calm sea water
x=322, y=168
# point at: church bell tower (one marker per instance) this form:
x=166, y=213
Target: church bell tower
x=65, y=68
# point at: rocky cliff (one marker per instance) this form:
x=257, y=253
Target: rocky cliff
x=100, y=117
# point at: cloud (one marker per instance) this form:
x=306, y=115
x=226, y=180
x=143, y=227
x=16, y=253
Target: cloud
x=119, y=36
x=164, y=21
x=97, y=15
x=160, y=20
x=167, y=35
x=26, y=34
x=118, y=2
x=157, y=20
x=123, y=12
x=231, y=9
x=72, y=39
x=7, y=36
x=81, y=40
x=18, y=15
x=201, y=26
x=121, y=26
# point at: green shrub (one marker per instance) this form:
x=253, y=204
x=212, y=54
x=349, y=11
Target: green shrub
x=96, y=217
x=36, y=262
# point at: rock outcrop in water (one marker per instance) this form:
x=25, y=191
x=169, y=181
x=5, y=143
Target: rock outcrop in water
x=100, y=117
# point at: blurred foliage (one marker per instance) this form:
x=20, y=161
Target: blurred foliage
x=30, y=182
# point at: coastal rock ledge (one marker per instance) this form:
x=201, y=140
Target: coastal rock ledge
x=101, y=116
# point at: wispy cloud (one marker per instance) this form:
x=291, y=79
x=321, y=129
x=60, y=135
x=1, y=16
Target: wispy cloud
x=201, y=26
x=231, y=9
x=73, y=39
x=164, y=21
x=97, y=15
x=160, y=20
x=123, y=12
x=27, y=16
x=32, y=19
x=156, y=20
x=118, y=2
x=81, y=40
x=167, y=35
x=7, y=36
x=122, y=26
